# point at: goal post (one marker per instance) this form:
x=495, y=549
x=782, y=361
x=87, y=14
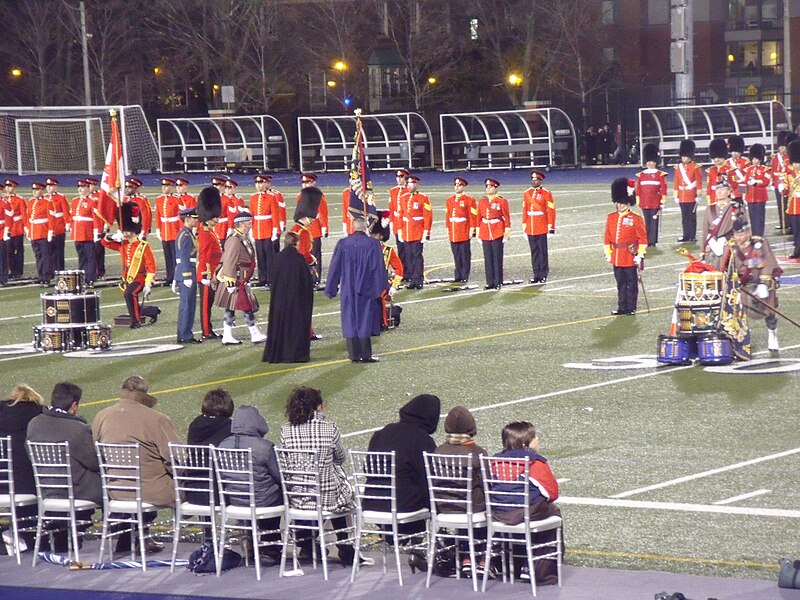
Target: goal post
x=72, y=139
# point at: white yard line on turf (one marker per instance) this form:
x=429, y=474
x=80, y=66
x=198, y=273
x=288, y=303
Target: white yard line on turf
x=685, y=478
x=681, y=507
x=555, y=289
x=742, y=497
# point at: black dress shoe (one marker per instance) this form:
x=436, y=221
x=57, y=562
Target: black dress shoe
x=618, y=312
x=135, y=324
x=371, y=359
x=193, y=340
x=212, y=336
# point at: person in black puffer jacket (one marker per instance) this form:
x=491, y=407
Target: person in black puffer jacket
x=210, y=427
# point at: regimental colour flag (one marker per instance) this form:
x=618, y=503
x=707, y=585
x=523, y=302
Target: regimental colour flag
x=361, y=201
x=114, y=170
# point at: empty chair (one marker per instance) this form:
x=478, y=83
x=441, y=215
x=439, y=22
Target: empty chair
x=52, y=471
x=375, y=482
x=10, y=501
x=120, y=471
x=450, y=482
x=507, y=487
x=301, y=482
x=234, y=472
x=193, y=477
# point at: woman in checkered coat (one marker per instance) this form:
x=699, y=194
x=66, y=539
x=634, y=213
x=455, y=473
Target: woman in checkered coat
x=308, y=429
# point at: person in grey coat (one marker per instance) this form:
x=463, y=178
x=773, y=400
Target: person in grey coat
x=248, y=428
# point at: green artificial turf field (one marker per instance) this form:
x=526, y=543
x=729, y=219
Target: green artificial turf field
x=609, y=433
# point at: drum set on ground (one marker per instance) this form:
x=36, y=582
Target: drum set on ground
x=696, y=336
x=71, y=317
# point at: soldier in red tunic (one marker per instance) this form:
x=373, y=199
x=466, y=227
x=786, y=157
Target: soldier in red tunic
x=84, y=232
x=461, y=219
x=651, y=190
x=538, y=221
x=735, y=166
x=417, y=218
x=688, y=188
x=15, y=229
x=625, y=245
x=494, y=229
x=758, y=178
x=168, y=224
x=39, y=226
x=778, y=166
x=209, y=254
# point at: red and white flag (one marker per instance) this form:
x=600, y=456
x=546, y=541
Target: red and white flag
x=114, y=170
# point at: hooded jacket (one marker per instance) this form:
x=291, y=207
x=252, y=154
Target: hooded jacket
x=460, y=421
x=206, y=431
x=248, y=428
x=14, y=422
x=409, y=438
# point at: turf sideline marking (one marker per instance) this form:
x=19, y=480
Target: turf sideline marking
x=742, y=497
x=708, y=473
x=682, y=507
x=686, y=559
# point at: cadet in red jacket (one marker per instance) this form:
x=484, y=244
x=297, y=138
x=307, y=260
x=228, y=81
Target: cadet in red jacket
x=651, y=191
x=625, y=244
x=186, y=200
x=494, y=229
x=266, y=227
x=417, y=218
x=735, y=167
x=538, y=220
x=60, y=209
x=391, y=260
x=138, y=262
x=792, y=183
x=106, y=210
x=84, y=232
x=758, y=178
x=778, y=166
x=15, y=229
x=396, y=222
x=688, y=187
x=718, y=153
x=281, y=216
x=168, y=224
x=5, y=233
x=209, y=254
x=39, y=229
x=132, y=194
x=319, y=225
x=461, y=219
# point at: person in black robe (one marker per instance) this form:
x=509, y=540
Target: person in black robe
x=291, y=303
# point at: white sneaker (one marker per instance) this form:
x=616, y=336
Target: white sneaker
x=255, y=335
x=772, y=340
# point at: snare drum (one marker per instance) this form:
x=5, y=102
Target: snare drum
x=63, y=310
x=714, y=350
x=98, y=337
x=49, y=339
x=698, y=318
x=673, y=350
x=70, y=282
x=701, y=287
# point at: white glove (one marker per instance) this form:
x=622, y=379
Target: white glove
x=275, y=235
x=324, y=231
x=424, y=237
x=392, y=291
x=205, y=282
x=608, y=259
x=158, y=234
x=146, y=291
x=6, y=235
x=551, y=233
x=344, y=228
x=49, y=236
x=231, y=288
x=117, y=237
x=751, y=181
x=400, y=237
x=505, y=239
x=675, y=199
x=637, y=260
x=781, y=187
x=174, y=287
x=187, y=283
x=68, y=227
x=762, y=291
x=97, y=235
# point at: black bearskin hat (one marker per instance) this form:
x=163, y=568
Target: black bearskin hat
x=621, y=191
x=650, y=153
x=131, y=217
x=687, y=148
x=718, y=148
x=758, y=151
x=794, y=151
x=209, y=204
x=308, y=203
x=736, y=143
x=782, y=135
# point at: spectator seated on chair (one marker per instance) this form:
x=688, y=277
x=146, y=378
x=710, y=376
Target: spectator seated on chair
x=248, y=429
x=210, y=427
x=521, y=440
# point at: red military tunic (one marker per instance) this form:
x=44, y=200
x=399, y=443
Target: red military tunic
x=494, y=218
x=106, y=210
x=416, y=216
x=187, y=200
x=83, y=227
x=393, y=264
x=281, y=204
x=735, y=168
x=136, y=266
x=778, y=166
x=461, y=217
x=209, y=252
x=5, y=216
x=59, y=208
x=792, y=180
x=223, y=223
x=394, y=207
x=40, y=221
x=17, y=216
x=168, y=221
x=347, y=218
x=713, y=176
x=538, y=211
x=688, y=182
x=625, y=237
x=145, y=210
x=305, y=242
x=266, y=216
x=651, y=188
x=758, y=179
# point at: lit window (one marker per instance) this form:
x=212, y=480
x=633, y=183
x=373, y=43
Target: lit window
x=473, y=29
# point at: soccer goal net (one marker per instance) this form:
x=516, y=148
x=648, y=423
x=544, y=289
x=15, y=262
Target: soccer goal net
x=65, y=139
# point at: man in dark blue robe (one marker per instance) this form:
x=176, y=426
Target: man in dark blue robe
x=357, y=266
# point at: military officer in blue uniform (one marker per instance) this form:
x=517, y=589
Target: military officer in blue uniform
x=185, y=283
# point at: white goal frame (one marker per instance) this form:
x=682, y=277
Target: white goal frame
x=90, y=154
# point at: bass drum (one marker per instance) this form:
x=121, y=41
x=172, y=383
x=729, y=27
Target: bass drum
x=714, y=350
x=697, y=319
x=674, y=350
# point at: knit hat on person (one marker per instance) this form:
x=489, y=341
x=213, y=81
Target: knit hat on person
x=460, y=420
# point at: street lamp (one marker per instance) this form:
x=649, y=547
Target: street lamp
x=16, y=72
x=331, y=83
x=340, y=65
x=156, y=70
x=431, y=80
x=514, y=79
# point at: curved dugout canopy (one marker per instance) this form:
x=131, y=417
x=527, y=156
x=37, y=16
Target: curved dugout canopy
x=756, y=122
x=540, y=137
x=391, y=141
